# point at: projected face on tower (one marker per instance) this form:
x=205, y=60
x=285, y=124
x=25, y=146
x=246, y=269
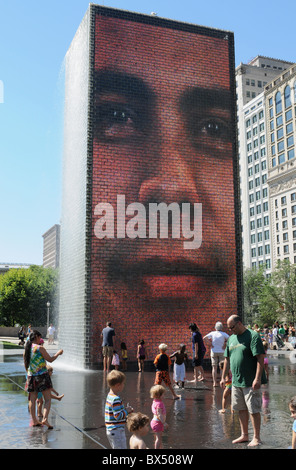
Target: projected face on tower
x=162, y=134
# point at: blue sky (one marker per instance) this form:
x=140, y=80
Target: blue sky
x=34, y=38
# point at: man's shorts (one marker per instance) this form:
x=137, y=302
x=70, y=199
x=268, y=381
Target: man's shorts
x=108, y=351
x=245, y=398
x=216, y=358
x=162, y=376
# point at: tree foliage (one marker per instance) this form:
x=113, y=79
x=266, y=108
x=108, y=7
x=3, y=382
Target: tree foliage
x=24, y=294
x=267, y=300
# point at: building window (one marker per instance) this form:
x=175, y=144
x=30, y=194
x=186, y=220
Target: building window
x=284, y=212
x=289, y=115
x=293, y=197
x=252, y=211
x=285, y=236
x=253, y=239
x=286, y=249
x=285, y=224
x=279, y=121
x=284, y=200
x=291, y=154
x=265, y=206
x=290, y=141
x=252, y=225
x=267, y=249
x=259, y=236
x=281, y=158
x=280, y=146
x=268, y=265
x=253, y=252
x=266, y=235
x=280, y=133
x=265, y=192
x=293, y=209
x=266, y=220
x=251, y=198
x=289, y=128
x=257, y=168
x=278, y=102
x=287, y=97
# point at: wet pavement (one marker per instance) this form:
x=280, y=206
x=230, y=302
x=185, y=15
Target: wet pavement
x=194, y=420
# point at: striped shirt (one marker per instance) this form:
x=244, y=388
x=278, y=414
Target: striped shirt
x=37, y=364
x=115, y=413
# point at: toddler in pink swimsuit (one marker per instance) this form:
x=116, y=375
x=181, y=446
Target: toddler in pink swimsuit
x=158, y=423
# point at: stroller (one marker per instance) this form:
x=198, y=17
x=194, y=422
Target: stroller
x=279, y=342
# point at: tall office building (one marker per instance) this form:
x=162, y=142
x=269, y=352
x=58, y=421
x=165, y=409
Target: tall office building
x=280, y=104
x=251, y=79
x=51, y=247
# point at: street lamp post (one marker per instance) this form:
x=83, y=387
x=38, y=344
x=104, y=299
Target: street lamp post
x=48, y=305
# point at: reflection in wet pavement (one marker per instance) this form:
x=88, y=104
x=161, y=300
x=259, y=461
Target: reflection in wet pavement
x=194, y=421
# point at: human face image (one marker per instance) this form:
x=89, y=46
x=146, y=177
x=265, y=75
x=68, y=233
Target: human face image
x=162, y=133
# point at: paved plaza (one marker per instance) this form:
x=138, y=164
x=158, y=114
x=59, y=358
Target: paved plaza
x=194, y=420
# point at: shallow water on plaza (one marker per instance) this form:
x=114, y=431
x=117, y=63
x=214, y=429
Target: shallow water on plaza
x=194, y=420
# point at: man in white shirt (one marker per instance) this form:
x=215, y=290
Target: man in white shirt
x=217, y=341
x=50, y=334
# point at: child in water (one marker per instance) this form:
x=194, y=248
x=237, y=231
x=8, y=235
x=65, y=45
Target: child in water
x=158, y=424
x=115, y=360
x=179, y=365
x=138, y=424
x=292, y=407
x=227, y=390
x=162, y=363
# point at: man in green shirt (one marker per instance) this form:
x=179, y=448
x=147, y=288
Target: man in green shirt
x=244, y=356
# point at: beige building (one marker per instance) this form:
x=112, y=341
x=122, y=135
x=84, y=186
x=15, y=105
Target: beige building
x=280, y=108
x=251, y=79
x=51, y=247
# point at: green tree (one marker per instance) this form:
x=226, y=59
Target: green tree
x=254, y=282
x=284, y=276
x=24, y=294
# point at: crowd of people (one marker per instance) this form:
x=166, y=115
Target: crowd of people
x=242, y=359
x=240, y=355
x=24, y=333
x=278, y=335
